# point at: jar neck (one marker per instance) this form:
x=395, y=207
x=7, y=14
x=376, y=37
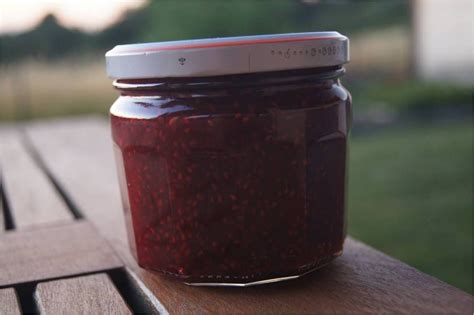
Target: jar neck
x=323, y=76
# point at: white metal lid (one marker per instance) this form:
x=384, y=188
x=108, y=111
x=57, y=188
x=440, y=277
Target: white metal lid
x=230, y=55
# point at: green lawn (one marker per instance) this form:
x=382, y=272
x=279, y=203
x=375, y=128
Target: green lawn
x=410, y=195
x=408, y=95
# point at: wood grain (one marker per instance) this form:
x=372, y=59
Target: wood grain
x=9, y=302
x=52, y=252
x=361, y=281
x=94, y=294
x=83, y=146
x=32, y=199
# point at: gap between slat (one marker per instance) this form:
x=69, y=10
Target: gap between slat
x=5, y=211
x=123, y=282
x=133, y=294
x=32, y=200
x=71, y=205
x=29, y=283
x=26, y=298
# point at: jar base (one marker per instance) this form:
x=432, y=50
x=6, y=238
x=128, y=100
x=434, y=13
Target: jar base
x=264, y=281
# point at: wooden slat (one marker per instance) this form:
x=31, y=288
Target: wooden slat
x=9, y=302
x=32, y=198
x=56, y=251
x=361, y=281
x=94, y=294
x=84, y=146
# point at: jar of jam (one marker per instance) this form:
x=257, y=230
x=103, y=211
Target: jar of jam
x=231, y=154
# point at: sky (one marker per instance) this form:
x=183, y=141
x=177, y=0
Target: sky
x=88, y=15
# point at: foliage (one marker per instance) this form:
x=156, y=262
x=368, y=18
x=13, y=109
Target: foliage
x=409, y=95
x=48, y=40
x=203, y=18
x=173, y=20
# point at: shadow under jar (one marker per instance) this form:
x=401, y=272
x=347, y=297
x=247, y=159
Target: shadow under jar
x=233, y=175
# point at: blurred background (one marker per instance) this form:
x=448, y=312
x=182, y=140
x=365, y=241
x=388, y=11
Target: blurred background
x=411, y=76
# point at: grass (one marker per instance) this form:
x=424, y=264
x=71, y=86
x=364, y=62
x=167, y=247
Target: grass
x=411, y=197
x=409, y=95
x=36, y=89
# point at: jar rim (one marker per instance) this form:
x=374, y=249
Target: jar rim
x=237, y=80
x=225, y=56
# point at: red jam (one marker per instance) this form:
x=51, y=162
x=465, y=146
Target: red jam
x=237, y=178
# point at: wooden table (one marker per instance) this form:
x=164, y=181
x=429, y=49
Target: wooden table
x=63, y=246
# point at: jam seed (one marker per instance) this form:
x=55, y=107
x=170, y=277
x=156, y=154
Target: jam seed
x=172, y=122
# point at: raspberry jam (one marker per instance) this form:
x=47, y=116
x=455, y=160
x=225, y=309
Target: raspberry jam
x=234, y=179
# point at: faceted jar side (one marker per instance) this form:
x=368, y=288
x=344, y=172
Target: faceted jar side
x=234, y=187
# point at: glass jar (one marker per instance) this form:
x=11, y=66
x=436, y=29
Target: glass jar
x=233, y=177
